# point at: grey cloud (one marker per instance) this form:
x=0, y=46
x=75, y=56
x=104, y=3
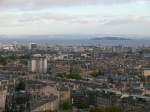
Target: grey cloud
x=26, y=18
x=40, y=4
x=53, y=17
x=128, y=20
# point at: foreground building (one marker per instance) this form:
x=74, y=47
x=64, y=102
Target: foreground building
x=18, y=101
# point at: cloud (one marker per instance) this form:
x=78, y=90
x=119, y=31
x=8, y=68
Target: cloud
x=17, y=16
x=129, y=20
x=52, y=23
x=40, y=4
x=13, y=20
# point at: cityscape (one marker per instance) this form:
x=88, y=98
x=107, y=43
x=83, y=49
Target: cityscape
x=41, y=78
x=74, y=56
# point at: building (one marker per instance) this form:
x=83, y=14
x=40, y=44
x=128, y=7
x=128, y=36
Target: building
x=80, y=99
x=146, y=72
x=48, y=89
x=32, y=46
x=38, y=64
x=46, y=104
x=18, y=101
x=3, y=94
x=64, y=93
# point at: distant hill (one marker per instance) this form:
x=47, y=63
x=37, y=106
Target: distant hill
x=110, y=38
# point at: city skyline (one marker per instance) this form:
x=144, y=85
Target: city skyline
x=74, y=55
x=48, y=17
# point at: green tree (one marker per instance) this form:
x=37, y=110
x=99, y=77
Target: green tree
x=20, y=86
x=3, y=60
x=74, y=72
x=97, y=73
x=97, y=109
x=73, y=76
x=112, y=109
x=106, y=109
x=66, y=106
x=12, y=56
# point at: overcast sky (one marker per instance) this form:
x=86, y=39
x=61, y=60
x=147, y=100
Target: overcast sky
x=36, y=17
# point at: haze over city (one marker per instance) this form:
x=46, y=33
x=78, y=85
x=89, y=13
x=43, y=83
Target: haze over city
x=48, y=17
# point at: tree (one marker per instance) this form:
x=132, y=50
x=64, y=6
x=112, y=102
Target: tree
x=75, y=69
x=21, y=86
x=97, y=73
x=106, y=109
x=74, y=73
x=97, y=109
x=12, y=56
x=73, y=76
x=3, y=60
x=112, y=109
x=66, y=106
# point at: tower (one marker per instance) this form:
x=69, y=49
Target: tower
x=38, y=64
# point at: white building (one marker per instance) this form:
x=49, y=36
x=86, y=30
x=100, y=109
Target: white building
x=38, y=64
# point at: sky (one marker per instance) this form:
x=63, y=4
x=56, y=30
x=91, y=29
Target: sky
x=44, y=17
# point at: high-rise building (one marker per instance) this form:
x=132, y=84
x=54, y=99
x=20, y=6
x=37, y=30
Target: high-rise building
x=38, y=64
x=32, y=46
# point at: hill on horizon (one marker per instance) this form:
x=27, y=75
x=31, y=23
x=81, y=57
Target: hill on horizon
x=110, y=38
